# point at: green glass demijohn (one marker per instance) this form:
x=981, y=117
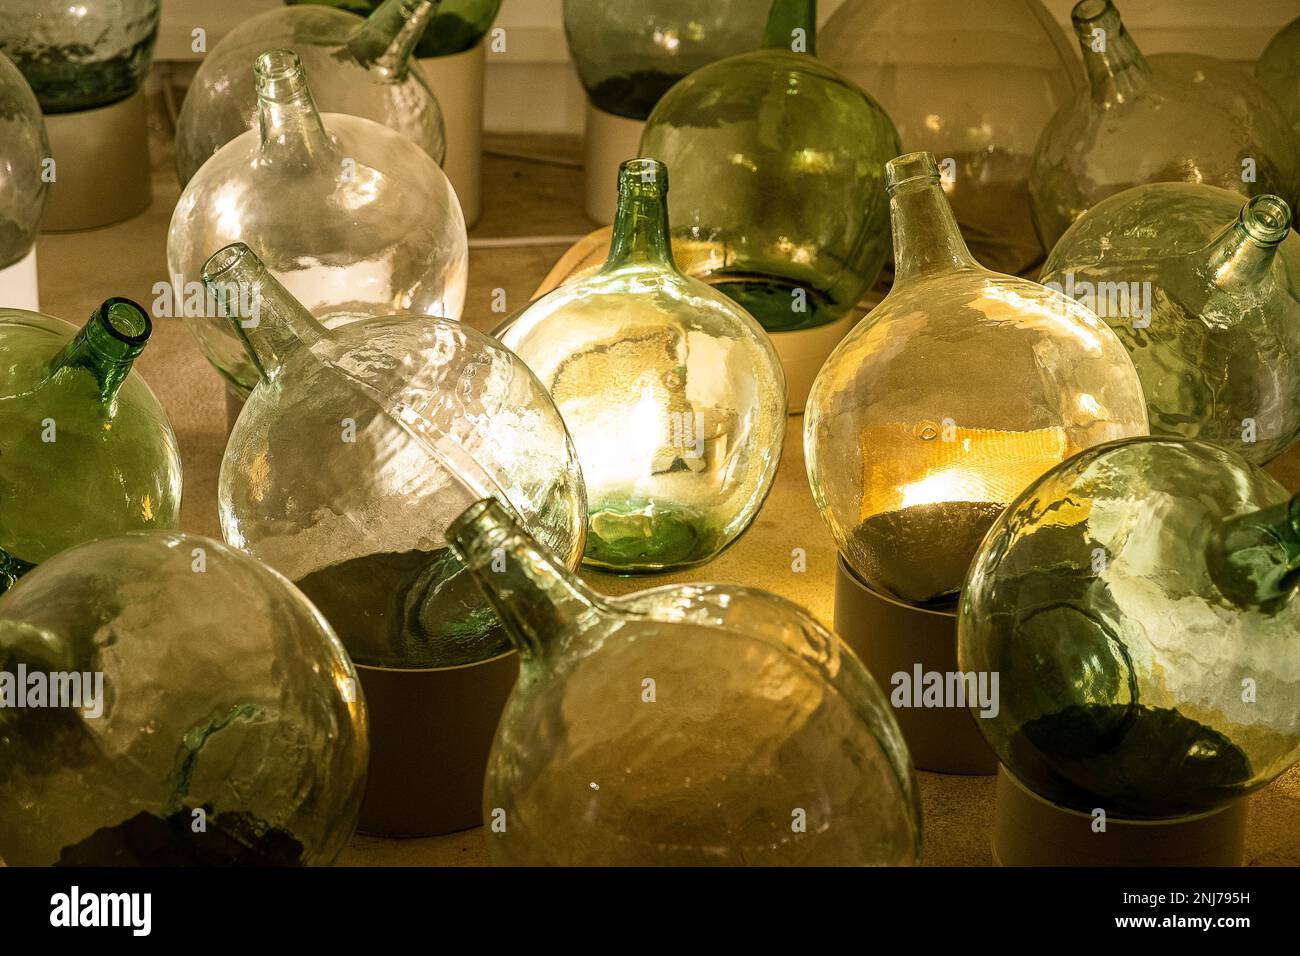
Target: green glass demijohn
x=672, y=392
x=1138, y=604
x=778, y=177
x=687, y=725
x=1278, y=71
x=23, y=151
x=1164, y=118
x=85, y=449
x=457, y=25
x=1203, y=288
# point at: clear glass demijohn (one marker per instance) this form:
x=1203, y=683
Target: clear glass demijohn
x=352, y=218
x=1203, y=288
x=685, y=725
x=86, y=450
x=951, y=396
x=673, y=393
x=23, y=151
x=974, y=86
x=1278, y=71
x=778, y=187
x=1164, y=118
x=456, y=26
x=1138, y=602
x=361, y=444
x=361, y=67
x=216, y=720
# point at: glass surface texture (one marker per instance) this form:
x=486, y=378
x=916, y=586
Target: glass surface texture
x=1278, y=71
x=23, y=151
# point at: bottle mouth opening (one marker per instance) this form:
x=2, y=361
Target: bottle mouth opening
x=911, y=168
x=1089, y=11
x=641, y=174
x=1267, y=219
x=125, y=321
x=479, y=518
x=277, y=65
x=224, y=260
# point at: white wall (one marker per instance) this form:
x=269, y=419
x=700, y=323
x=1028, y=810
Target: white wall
x=532, y=86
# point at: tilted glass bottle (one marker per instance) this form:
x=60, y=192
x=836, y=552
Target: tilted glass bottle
x=673, y=393
x=1138, y=604
x=23, y=151
x=1204, y=291
x=1278, y=71
x=213, y=718
x=85, y=449
x=1169, y=118
x=361, y=444
x=354, y=219
x=778, y=189
x=683, y=725
x=457, y=25
x=358, y=67
x=953, y=394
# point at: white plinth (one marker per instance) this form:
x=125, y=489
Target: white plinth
x=18, y=284
x=610, y=141
x=457, y=82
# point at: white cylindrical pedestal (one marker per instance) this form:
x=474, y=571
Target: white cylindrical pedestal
x=610, y=141
x=457, y=82
x=1029, y=831
x=803, y=352
x=18, y=284
x=101, y=165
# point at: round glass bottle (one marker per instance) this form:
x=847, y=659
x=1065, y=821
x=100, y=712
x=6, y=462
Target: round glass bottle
x=778, y=188
x=1137, y=603
x=952, y=395
x=1204, y=291
x=1278, y=71
x=358, y=67
x=23, y=151
x=673, y=393
x=354, y=219
x=457, y=25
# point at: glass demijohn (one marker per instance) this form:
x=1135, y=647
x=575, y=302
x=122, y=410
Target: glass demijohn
x=1278, y=71
x=1204, y=291
x=1166, y=118
x=673, y=393
x=973, y=87
x=457, y=25
x=23, y=151
x=778, y=189
x=352, y=218
x=1137, y=603
x=953, y=394
x=683, y=725
x=355, y=66
x=361, y=444
x=86, y=451
x=211, y=716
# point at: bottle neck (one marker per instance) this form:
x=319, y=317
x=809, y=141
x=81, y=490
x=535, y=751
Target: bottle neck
x=927, y=240
x=1117, y=71
x=640, y=234
x=292, y=132
x=270, y=322
x=792, y=25
x=106, y=346
x=1241, y=256
x=537, y=598
x=1254, y=559
x=387, y=38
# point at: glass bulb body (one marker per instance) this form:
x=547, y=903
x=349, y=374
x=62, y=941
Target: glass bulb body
x=354, y=219
x=974, y=90
x=23, y=151
x=457, y=25
x=778, y=193
x=361, y=67
x=80, y=56
x=628, y=56
x=673, y=394
x=362, y=443
x=1164, y=118
x=1204, y=291
x=211, y=690
x=1122, y=662
x=681, y=725
x=86, y=450
x=1278, y=71
x=951, y=396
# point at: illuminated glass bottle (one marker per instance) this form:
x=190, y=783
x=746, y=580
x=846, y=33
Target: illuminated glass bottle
x=673, y=394
x=683, y=725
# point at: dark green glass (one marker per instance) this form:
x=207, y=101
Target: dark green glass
x=457, y=26
x=86, y=451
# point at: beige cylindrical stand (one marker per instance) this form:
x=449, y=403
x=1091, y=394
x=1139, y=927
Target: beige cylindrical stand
x=18, y=288
x=803, y=352
x=101, y=165
x=457, y=82
x=430, y=733
x=1029, y=831
x=609, y=141
x=895, y=638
